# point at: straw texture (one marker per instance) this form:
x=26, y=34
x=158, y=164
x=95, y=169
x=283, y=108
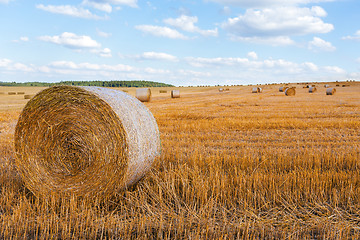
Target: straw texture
x=290, y=91
x=143, y=94
x=84, y=141
x=330, y=91
x=175, y=93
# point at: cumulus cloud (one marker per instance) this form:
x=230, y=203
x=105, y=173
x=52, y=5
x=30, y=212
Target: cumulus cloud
x=265, y=3
x=76, y=42
x=319, y=44
x=99, y=5
x=10, y=65
x=5, y=1
x=252, y=55
x=161, y=31
x=356, y=36
x=157, y=56
x=69, y=10
x=71, y=40
x=187, y=23
x=276, y=22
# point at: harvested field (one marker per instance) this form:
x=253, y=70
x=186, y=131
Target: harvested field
x=233, y=165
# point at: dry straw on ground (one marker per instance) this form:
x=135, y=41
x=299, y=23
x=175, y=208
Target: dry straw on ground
x=290, y=91
x=330, y=91
x=312, y=89
x=143, y=94
x=86, y=141
x=175, y=93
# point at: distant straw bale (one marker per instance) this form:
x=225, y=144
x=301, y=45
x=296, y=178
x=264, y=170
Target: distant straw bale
x=227, y=89
x=330, y=91
x=162, y=91
x=175, y=93
x=221, y=89
x=326, y=85
x=11, y=93
x=28, y=96
x=143, y=94
x=290, y=91
x=254, y=90
x=312, y=89
x=95, y=142
x=20, y=93
x=282, y=89
x=260, y=90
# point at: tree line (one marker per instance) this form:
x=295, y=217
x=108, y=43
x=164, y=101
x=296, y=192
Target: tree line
x=134, y=83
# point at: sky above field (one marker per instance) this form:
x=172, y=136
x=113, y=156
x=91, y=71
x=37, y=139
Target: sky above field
x=182, y=42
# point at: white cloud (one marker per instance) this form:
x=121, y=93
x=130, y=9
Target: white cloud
x=356, y=36
x=9, y=65
x=265, y=3
x=72, y=40
x=105, y=5
x=280, y=22
x=187, y=23
x=5, y=1
x=103, y=34
x=157, y=56
x=76, y=42
x=252, y=55
x=320, y=44
x=102, y=6
x=21, y=39
x=161, y=31
x=273, y=41
x=69, y=10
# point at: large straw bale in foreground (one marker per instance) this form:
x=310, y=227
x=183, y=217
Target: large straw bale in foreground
x=330, y=91
x=290, y=91
x=86, y=141
x=175, y=93
x=143, y=94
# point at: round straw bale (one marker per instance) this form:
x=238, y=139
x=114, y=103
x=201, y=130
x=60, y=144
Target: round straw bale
x=221, y=89
x=312, y=89
x=162, y=91
x=227, y=89
x=175, y=93
x=281, y=89
x=290, y=91
x=330, y=91
x=254, y=90
x=84, y=141
x=28, y=96
x=326, y=85
x=259, y=90
x=20, y=93
x=11, y=93
x=143, y=94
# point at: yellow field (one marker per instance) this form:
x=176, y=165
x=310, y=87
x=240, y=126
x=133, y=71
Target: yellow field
x=234, y=165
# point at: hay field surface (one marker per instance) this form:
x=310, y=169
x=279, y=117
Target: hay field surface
x=234, y=165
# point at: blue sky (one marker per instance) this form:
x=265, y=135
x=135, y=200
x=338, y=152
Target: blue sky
x=183, y=42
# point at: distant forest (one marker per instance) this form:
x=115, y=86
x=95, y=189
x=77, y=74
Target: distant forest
x=135, y=83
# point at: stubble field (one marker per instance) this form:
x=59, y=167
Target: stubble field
x=234, y=165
